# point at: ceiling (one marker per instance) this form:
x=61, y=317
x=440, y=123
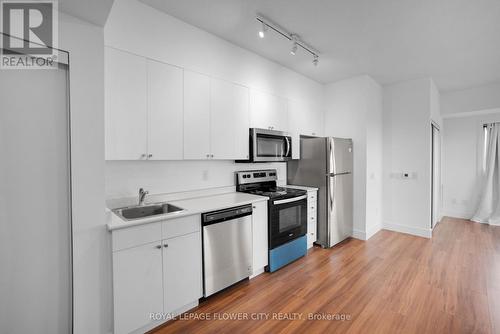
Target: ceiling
x=456, y=42
x=94, y=11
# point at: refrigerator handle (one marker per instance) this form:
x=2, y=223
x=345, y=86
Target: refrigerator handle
x=287, y=146
x=336, y=174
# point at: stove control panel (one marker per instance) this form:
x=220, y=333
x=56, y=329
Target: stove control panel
x=255, y=176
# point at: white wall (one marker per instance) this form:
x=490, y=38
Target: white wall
x=462, y=162
x=473, y=99
x=353, y=109
x=408, y=109
x=140, y=29
x=91, y=242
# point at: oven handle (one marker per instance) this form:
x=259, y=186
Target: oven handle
x=288, y=200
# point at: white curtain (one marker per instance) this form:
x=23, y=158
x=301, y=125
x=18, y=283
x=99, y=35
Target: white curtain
x=488, y=210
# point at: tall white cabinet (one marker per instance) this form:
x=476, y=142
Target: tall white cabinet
x=259, y=237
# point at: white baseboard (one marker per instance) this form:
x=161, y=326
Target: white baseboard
x=419, y=232
x=457, y=214
x=257, y=272
x=365, y=235
x=358, y=234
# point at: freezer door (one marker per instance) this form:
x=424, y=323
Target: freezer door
x=340, y=208
x=339, y=156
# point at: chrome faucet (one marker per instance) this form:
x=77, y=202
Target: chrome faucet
x=142, y=196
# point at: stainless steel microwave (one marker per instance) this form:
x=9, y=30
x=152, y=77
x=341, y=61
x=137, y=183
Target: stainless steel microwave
x=269, y=146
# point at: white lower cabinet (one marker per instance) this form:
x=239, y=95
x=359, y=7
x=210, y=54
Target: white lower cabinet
x=312, y=214
x=137, y=281
x=259, y=237
x=182, y=271
x=155, y=270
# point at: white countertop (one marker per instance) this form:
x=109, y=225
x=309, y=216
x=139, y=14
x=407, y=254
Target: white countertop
x=191, y=206
x=301, y=187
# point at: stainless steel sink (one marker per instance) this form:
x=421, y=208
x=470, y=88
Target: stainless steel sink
x=144, y=211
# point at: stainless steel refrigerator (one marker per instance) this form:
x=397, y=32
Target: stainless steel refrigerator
x=327, y=163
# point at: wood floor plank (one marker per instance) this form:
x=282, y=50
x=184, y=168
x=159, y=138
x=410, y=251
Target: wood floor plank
x=392, y=283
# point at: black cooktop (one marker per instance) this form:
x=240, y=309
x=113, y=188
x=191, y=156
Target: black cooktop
x=277, y=192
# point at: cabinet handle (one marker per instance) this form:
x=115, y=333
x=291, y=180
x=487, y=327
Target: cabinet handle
x=211, y=156
x=159, y=246
x=150, y=156
x=253, y=207
x=144, y=155
x=208, y=156
x=166, y=245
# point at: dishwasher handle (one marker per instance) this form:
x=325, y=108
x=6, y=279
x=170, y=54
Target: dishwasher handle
x=220, y=216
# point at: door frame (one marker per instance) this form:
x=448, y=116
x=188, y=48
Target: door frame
x=436, y=126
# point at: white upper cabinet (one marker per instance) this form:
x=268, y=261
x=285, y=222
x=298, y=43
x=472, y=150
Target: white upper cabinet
x=304, y=119
x=196, y=116
x=165, y=111
x=229, y=120
x=125, y=105
x=268, y=111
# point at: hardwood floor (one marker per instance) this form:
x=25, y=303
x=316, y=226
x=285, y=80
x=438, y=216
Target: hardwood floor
x=392, y=283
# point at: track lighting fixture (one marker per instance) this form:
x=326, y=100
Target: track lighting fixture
x=262, y=31
x=294, y=38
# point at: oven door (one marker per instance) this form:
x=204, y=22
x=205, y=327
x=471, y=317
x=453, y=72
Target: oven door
x=288, y=220
x=270, y=145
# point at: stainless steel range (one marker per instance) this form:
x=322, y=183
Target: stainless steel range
x=287, y=215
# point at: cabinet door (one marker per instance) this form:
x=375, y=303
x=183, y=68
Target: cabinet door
x=259, y=236
x=312, y=223
x=229, y=120
x=196, y=116
x=268, y=111
x=137, y=286
x=125, y=105
x=165, y=111
x=182, y=271
x=304, y=119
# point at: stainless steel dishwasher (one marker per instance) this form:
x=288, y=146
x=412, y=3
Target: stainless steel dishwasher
x=227, y=247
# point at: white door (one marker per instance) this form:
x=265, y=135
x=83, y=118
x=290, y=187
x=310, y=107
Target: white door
x=196, y=116
x=268, y=111
x=259, y=236
x=35, y=219
x=182, y=265
x=165, y=111
x=137, y=286
x=125, y=77
x=229, y=120
x=436, y=176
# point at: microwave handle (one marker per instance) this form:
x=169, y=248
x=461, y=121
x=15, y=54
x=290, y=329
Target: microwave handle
x=288, y=146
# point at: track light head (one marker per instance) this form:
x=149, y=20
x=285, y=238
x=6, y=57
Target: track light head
x=294, y=49
x=262, y=31
x=315, y=60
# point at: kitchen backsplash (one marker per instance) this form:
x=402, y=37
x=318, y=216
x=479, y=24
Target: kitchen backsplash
x=124, y=178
